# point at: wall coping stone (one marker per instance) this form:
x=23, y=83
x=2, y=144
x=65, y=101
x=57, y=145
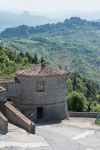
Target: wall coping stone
x=83, y=114
x=18, y=113
x=3, y=117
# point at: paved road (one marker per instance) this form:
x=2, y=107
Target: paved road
x=76, y=134
x=57, y=141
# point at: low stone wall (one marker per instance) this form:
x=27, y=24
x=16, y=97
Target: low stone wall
x=17, y=118
x=3, y=124
x=83, y=114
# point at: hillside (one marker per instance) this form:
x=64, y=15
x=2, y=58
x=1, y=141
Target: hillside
x=71, y=26
x=11, y=61
x=74, y=43
x=9, y=19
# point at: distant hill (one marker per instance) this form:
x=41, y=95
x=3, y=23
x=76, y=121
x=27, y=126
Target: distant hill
x=74, y=43
x=8, y=19
x=63, y=14
x=73, y=25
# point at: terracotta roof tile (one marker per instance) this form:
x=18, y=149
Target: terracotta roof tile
x=6, y=80
x=39, y=70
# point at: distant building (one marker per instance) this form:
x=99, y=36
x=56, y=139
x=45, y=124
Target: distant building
x=40, y=92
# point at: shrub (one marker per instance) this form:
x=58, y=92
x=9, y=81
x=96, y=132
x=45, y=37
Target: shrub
x=95, y=106
x=77, y=102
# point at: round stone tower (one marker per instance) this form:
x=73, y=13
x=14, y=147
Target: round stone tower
x=40, y=92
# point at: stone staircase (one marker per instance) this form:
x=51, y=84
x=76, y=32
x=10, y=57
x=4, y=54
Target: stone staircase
x=15, y=117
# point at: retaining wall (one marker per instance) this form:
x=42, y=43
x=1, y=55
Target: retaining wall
x=17, y=118
x=83, y=114
x=3, y=124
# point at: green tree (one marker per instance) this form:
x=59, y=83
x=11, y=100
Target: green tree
x=24, y=61
x=18, y=59
x=77, y=102
x=42, y=60
x=90, y=93
x=35, y=59
x=21, y=54
x=74, y=82
x=69, y=85
x=0, y=47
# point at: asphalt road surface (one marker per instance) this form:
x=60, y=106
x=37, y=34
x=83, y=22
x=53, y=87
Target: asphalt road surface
x=77, y=134
x=58, y=141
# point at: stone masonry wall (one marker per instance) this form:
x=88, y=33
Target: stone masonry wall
x=17, y=118
x=52, y=111
x=26, y=90
x=56, y=111
x=83, y=114
x=3, y=124
x=3, y=94
x=52, y=99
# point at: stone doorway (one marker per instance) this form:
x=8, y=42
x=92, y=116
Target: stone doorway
x=1, y=106
x=39, y=112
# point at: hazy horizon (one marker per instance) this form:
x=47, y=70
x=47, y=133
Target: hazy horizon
x=58, y=9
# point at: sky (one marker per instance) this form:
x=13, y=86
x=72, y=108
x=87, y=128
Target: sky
x=50, y=5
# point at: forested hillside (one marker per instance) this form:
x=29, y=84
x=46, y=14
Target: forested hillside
x=83, y=94
x=11, y=61
x=74, y=43
x=70, y=26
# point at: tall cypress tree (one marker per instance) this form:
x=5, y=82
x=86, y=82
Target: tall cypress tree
x=35, y=59
x=74, y=83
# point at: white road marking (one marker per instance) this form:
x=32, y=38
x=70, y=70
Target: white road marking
x=22, y=145
x=84, y=134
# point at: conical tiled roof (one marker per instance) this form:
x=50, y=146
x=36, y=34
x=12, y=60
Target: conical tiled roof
x=41, y=70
